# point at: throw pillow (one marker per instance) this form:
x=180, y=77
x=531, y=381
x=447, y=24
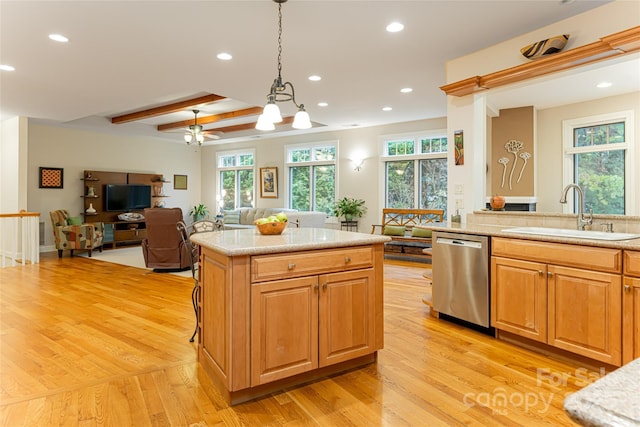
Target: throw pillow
x=420, y=232
x=231, y=217
x=74, y=220
x=394, y=230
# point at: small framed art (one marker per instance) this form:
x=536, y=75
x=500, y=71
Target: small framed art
x=269, y=182
x=51, y=177
x=179, y=182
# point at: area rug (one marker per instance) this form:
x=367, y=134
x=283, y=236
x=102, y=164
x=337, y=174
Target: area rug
x=131, y=256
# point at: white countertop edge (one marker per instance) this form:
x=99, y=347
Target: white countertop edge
x=250, y=242
x=497, y=231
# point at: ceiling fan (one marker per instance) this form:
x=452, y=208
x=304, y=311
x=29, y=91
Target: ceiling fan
x=196, y=133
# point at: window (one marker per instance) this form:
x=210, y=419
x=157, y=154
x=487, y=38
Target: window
x=311, y=171
x=236, y=179
x=598, y=155
x=416, y=172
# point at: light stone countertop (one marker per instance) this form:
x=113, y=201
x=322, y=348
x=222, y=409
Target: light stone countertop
x=250, y=242
x=613, y=400
x=497, y=231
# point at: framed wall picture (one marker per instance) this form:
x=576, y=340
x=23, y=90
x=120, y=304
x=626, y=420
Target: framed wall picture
x=458, y=140
x=269, y=182
x=179, y=182
x=51, y=177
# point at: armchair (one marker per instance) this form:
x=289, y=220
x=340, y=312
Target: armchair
x=70, y=233
x=163, y=248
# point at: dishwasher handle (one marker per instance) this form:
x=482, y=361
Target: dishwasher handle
x=459, y=242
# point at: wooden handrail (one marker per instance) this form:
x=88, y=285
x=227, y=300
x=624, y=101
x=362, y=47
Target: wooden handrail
x=613, y=45
x=20, y=214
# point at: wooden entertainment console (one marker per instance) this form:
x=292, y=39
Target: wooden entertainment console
x=117, y=232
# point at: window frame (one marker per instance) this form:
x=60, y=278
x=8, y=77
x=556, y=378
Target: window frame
x=220, y=169
x=416, y=157
x=310, y=145
x=630, y=174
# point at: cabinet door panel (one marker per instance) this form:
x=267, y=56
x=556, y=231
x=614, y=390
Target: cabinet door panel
x=585, y=314
x=519, y=297
x=347, y=320
x=631, y=319
x=284, y=329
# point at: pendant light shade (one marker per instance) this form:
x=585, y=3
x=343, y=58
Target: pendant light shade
x=301, y=120
x=281, y=92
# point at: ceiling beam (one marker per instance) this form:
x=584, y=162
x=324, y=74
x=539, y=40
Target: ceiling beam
x=212, y=119
x=166, y=109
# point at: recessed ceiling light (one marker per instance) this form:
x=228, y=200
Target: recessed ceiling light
x=58, y=38
x=394, y=27
x=387, y=108
x=406, y=90
x=603, y=85
x=315, y=78
x=322, y=104
x=5, y=67
x=224, y=56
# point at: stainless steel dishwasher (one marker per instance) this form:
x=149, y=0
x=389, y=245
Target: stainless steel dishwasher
x=461, y=276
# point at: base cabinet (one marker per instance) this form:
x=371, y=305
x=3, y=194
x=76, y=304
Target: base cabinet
x=631, y=307
x=566, y=306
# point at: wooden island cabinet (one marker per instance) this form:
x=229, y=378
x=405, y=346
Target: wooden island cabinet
x=281, y=310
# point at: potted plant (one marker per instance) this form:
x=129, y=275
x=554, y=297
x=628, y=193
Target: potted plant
x=198, y=212
x=349, y=208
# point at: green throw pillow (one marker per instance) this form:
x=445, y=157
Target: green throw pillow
x=420, y=232
x=394, y=230
x=74, y=220
x=231, y=217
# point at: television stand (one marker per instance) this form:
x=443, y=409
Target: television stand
x=124, y=232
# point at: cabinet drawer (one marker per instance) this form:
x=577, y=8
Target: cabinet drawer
x=632, y=263
x=591, y=258
x=286, y=265
x=121, y=235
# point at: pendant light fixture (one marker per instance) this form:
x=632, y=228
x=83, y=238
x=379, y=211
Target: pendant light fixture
x=194, y=131
x=278, y=93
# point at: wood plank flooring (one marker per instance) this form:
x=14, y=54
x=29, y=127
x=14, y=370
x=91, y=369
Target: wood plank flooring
x=89, y=343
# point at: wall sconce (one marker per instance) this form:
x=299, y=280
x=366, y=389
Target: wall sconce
x=357, y=163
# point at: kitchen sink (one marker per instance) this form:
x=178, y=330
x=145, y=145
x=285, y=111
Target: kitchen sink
x=568, y=232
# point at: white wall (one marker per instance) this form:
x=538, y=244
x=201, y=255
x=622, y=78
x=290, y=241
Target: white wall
x=13, y=165
x=365, y=184
x=77, y=150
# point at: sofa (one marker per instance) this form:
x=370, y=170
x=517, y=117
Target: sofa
x=244, y=217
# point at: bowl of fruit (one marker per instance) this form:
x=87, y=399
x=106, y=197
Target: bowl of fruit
x=273, y=224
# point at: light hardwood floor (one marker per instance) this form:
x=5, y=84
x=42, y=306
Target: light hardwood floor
x=89, y=343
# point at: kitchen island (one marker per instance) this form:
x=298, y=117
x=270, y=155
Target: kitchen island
x=280, y=310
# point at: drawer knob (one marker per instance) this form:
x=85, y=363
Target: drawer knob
x=291, y=266
x=347, y=259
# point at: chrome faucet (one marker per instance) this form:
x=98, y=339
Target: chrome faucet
x=583, y=220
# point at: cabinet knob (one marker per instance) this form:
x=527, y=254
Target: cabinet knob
x=549, y=274
x=315, y=287
x=324, y=287
x=347, y=260
x=291, y=266
x=540, y=272
x=627, y=288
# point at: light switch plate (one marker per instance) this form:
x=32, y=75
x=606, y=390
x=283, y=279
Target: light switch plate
x=458, y=189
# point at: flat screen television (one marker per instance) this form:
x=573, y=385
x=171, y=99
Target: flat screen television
x=127, y=197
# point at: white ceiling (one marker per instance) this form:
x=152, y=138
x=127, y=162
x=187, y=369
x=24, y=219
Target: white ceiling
x=126, y=56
